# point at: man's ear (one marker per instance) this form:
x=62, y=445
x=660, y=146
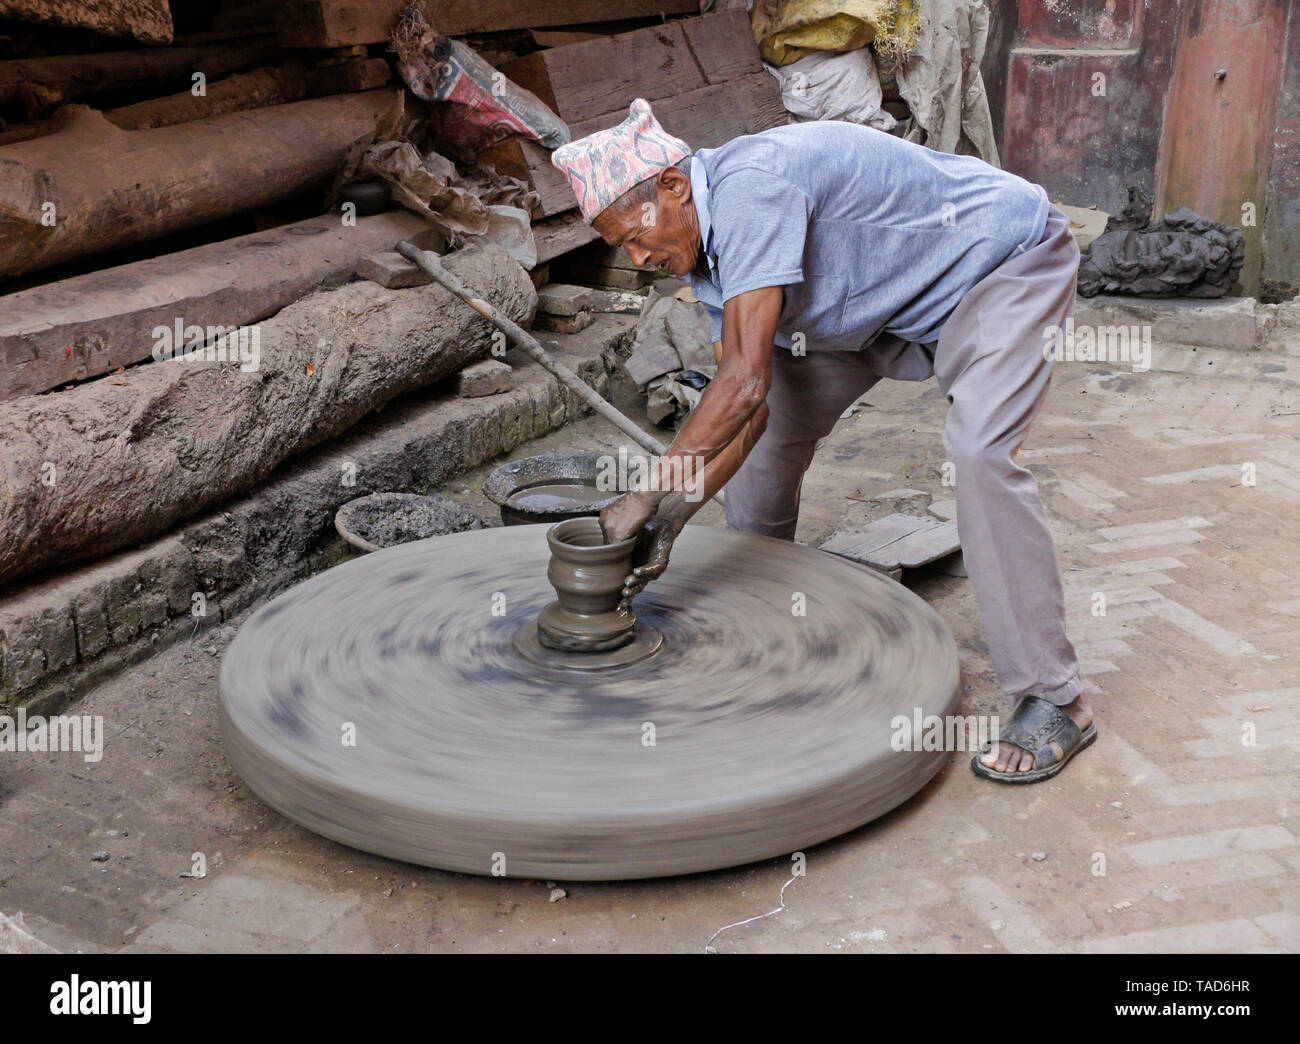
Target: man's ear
x=676, y=184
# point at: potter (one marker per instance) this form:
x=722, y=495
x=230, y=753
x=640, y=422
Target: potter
x=830, y=255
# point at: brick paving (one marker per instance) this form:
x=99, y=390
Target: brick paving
x=1172, y=496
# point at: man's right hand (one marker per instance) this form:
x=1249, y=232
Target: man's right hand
x=625, y=517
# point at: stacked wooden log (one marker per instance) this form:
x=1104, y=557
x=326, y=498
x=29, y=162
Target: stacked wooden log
x=165, y=170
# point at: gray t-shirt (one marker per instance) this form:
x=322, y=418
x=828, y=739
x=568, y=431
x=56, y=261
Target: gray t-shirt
x=865, y=231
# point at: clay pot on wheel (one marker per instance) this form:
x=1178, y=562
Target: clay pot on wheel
x=587, y=575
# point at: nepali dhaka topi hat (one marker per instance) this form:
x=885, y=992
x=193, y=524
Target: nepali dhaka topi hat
x=604, y=165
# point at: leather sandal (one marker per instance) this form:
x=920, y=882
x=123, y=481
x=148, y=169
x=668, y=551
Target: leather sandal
x=1034, y=726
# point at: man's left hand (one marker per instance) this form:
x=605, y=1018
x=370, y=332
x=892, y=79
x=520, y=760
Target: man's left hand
x=650, y=557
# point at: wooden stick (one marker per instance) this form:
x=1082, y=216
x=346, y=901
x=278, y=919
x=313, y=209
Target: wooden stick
x=430, y=264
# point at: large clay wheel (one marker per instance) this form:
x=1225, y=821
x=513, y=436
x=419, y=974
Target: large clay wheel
x=771, y=731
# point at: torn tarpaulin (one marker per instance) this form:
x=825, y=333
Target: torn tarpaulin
x=480, y=204
x=672, y=356
x=941, y=82
x=471, y=104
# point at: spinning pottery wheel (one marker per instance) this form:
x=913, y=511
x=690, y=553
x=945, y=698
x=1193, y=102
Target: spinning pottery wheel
x=387, y=704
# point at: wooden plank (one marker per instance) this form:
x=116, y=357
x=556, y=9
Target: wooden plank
x=657, y=64
x=363, y=75
x=860, y=544
x=554, y=193
x=580, y=80
x=146, y=21
x=926, y=545
x=91, y=324
x=41, y=84
x=338, y=23
x=325, y=23
x=272, y=85
x=558, y=235
x=896, y=542
x=456, y=17
x=724, y=45
x=712, y=115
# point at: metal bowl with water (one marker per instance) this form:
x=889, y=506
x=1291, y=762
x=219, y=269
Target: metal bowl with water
x=550, y=487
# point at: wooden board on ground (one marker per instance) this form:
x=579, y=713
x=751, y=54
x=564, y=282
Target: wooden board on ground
x=91, y=324
x=896, y=542
x=338, y=23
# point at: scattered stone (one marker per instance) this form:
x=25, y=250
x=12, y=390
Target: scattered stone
x=99, y=857
x=487, y=377
x=1038, y=857
x=617, y=301
x=557, y=894
x=564, y=299
x=392, y=270
x=564, y=324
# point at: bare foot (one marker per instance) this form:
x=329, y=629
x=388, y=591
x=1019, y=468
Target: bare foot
x=1007, y=757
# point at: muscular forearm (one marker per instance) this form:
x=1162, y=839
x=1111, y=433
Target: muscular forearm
x=717, y=473
x=735, y=395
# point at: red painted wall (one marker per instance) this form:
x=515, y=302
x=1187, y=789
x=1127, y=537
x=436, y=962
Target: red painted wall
x=1218, y=129
x=1091, y=96
x=1085, y=94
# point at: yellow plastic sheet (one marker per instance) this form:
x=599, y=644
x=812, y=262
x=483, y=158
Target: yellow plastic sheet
x=787, y=30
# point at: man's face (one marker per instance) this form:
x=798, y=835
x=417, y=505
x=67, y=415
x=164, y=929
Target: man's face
x=663, y=234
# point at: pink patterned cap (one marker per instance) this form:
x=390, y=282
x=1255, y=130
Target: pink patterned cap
x=604, y=165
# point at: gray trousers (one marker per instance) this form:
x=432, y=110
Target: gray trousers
x=989, y=362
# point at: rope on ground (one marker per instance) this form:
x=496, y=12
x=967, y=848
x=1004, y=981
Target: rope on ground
x=708, y=948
